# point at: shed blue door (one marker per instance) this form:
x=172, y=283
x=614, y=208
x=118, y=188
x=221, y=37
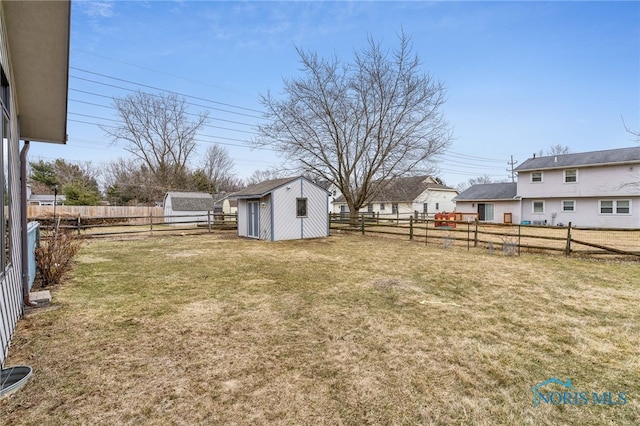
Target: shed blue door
x=253, y=221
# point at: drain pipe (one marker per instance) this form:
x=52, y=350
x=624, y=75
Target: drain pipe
x=23, y=225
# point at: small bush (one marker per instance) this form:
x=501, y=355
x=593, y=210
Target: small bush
x=54, y=256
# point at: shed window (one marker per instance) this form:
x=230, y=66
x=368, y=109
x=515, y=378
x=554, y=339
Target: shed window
x=301, y=207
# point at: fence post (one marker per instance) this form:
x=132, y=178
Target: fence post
x=362, y=223
x=209, y=220
x=426, y=230
x=78, y=224
x=411, y=228
x=468, y=235
x=567, y=250
x=475, y=234
x=519, y=229
x=150, y=222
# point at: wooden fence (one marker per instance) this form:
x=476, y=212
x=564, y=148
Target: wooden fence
x=509, y=239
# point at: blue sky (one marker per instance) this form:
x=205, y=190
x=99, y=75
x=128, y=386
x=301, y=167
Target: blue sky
x=520, y=76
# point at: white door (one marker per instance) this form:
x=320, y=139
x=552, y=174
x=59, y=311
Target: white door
x=253, y=220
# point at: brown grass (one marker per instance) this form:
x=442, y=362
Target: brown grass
x=345, y=330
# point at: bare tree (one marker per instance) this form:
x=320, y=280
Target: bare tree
x=217, y=166
x=128, y=181
x=474, y=181
x=634, y=133
x=359, y=125
x=556, y=149
x=261, y=175
x=156, y=129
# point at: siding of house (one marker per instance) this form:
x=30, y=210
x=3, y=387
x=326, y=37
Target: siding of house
x=11, y=297
x=613, y=182
x=500, y=207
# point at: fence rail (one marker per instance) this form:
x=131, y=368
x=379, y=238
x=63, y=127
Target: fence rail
x=508, y=238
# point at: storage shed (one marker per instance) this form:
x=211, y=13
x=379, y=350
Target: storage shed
x=183, y=207
x=283, y=209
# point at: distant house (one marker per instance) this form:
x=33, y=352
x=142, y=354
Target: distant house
x=283, y=209
x=403, y=196
x=490, y=202
x=34, y=72
x=47, y=200
x=183, y=207
x=597, y=189
x=590, y=189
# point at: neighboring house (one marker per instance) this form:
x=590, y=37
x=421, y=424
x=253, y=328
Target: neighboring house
x=223, y=204
x=34, y=62
x=490, y=202
x=403, y=196
x=47, y=200
x=283, y=209
x=185, y=207
x=599, y=189
x=590, y=189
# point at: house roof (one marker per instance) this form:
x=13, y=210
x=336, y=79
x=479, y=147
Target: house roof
x=38, y=37
x=489, y=192
x=262, y=188
x=190, y=201
x=593, y=158
x=405, y=189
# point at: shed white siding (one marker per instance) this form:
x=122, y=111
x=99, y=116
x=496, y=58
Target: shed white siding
x=278, y=215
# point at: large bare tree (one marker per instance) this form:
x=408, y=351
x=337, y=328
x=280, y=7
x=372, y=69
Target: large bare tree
x=359, y=125
x=218, y=167
x=158, y=130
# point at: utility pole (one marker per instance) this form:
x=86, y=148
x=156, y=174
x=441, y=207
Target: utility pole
x=513, y=174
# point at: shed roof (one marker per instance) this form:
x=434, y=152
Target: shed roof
x=190, y=201
x=262, y=188
x=489, y=192
x=592, y=158
x=38, y=37
x=405, y=189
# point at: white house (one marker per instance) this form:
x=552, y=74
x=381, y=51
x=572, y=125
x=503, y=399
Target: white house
x=406, y=196
x=599, y=189
x=590, y=189
x=183, y=207
x=46, y=200
x=283, y=209
x=34, y=69
x=490, y=202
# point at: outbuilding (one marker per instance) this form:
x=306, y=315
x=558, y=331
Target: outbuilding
x=183, y=207
x=283, y=209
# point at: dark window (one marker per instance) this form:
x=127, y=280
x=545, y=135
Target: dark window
x=301, y=207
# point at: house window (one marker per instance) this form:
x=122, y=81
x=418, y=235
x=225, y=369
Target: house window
x=568, y=206
x=538, y=206
x=623, y=207
x=424, y=207
x=571, y=176
x=536, y=176
x=437, y=206
x=394, y=208
x=606, y=207
x=301, y=207
x=370, y=208
x=381, y=206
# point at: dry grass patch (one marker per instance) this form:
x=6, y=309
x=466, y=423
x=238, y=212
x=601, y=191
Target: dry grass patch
x=344, y=330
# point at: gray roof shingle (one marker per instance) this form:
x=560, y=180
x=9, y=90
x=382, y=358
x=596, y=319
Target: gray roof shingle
x=191, y=201
x=593, y=158
x=489, y=191
x=262, y=188
x=404, y=189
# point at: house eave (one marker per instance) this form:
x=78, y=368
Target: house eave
x=38, y=35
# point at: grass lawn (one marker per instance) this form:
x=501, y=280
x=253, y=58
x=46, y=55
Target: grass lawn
x=206, y=329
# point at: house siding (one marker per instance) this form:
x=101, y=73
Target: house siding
x=11, y=297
